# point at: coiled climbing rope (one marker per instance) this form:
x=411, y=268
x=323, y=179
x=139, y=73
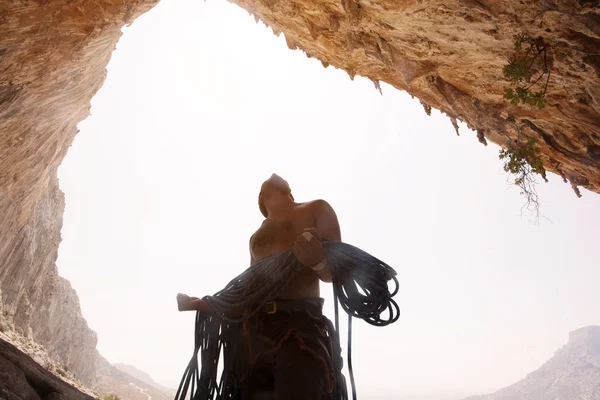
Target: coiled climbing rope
x=360, y=285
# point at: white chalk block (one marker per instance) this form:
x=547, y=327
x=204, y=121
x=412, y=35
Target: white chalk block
x=308, y=236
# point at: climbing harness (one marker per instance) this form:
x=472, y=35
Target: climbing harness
x=360, y=286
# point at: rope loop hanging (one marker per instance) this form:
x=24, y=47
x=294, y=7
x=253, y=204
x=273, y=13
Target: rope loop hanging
x=360, y=285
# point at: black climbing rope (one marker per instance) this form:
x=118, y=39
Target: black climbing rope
x=360, y=285
x=353, y=268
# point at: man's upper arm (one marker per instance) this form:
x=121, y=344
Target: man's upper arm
x=326, y=221
x=250, y=248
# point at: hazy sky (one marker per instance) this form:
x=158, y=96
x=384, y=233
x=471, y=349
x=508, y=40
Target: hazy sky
x=202, y=104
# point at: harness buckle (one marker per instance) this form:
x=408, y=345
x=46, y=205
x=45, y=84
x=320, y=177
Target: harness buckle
x=273, y=308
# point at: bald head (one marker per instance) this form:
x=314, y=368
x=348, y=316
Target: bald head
x=273, y=190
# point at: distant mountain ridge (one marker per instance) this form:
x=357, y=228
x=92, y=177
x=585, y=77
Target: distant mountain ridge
x=144, y=377
x=573, y=373
x=111, y=379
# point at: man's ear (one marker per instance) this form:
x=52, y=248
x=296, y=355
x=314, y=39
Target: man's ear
x=292, y=196
x=262, y=208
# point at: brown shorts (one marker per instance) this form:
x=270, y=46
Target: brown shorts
x=287, y=352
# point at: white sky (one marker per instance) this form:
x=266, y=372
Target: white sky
x=202, y=104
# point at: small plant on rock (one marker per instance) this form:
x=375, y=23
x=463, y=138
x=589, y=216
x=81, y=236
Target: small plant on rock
x=522, y=162
x=526, y=67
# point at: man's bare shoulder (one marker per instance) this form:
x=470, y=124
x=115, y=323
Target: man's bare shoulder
x=326, y=220
x=318, y=205
x=256, y=231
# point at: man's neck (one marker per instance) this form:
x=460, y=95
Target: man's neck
x=281, y=210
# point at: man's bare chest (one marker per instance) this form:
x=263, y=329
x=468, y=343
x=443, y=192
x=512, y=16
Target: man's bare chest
x=278, y=236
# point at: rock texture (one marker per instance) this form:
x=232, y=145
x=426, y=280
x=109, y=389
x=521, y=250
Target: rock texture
x=573, y=373
x=27, y=370
x=448, y=53
x=52, y=61
x=36, y=302
x=22, y=378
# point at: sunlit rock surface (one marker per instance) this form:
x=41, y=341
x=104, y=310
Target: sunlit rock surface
x=447, y=53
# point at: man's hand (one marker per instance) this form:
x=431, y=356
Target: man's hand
x=183, y=302
x=309, y=252
x=187, y=303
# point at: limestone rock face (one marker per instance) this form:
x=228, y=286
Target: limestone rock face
x=448, y=53
x=21, y=378
x=53, y=57
x=36, y=302
x=573, y=373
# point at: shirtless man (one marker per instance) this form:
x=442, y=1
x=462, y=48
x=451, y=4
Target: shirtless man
x=298, y=367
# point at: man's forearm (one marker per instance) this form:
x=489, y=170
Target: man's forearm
x=325, y=274
x=323, y=270
x=200, y=305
